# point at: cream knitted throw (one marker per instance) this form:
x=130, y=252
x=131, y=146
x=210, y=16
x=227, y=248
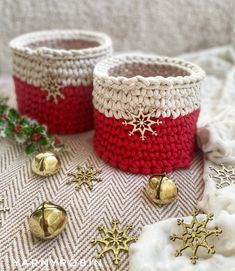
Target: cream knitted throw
x=216, y=134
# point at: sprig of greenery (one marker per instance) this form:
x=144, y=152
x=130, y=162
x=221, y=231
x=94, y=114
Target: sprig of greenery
x=28, y=132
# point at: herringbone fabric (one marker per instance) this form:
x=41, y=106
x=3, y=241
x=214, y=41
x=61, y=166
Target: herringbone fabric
x=120, y=195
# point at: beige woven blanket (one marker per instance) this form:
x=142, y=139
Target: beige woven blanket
x=120, y=195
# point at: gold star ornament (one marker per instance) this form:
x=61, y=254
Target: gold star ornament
x=194, y=235
x=115, y=240
x=141, y=123
x=84, y=175
x=50, y=84
x=224, y=176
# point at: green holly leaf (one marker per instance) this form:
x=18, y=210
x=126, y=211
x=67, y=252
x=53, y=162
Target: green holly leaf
x=13, y=116
x=43, y=141
x=2, y=123
x=9, y=121
x=27, y=130
x=30, y=149
x=24, y=122
x=8, y=131
x=40, y=130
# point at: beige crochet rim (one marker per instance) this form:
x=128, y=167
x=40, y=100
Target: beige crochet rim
x=51, y=43
x=125, y=82
x=180, y=72
x=69, y=55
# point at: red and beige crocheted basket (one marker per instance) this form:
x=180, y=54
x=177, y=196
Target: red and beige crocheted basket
x=53, y=74
x=146, y=110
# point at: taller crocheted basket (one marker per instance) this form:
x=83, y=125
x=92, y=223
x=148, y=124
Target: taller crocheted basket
x=53, y=74
x=146, y=110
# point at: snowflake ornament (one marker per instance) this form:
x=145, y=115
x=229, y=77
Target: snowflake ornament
x=50, y=84
x=195, y=235
x=141, y=122
x=84, y=175
x=115, y=240
x=224, y=176
x=3, y=210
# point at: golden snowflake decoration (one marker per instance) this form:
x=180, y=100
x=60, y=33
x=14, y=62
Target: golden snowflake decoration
x=84, y=175
x=115, y=240
x=224, y=176
x=3, y=209
x=141, y=122
x=50, y=84
x=195, y=235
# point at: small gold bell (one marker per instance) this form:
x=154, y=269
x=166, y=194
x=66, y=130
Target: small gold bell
x=45, y=164
x=161, y=189
x=48, y=220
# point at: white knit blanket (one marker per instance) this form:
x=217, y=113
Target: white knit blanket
x=216, y=135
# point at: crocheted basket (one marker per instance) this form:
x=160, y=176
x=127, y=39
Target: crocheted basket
x=53, y=74
x=146, y=110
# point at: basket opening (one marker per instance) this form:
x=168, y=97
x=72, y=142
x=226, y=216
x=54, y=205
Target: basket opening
x=147, y=70
x=65, y=44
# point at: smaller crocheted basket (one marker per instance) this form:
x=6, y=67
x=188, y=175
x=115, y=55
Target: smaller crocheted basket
x=53, y=74
x=146, y=110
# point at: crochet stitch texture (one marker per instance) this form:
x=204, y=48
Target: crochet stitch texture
x=53, y=73
x=169, y=86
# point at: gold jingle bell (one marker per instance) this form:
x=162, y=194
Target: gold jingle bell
x=161, y=189
x=48, y=220
x=46, y=164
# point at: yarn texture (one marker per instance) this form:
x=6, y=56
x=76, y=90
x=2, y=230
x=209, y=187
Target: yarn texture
x=53, y=73
x=167, y=87
x=216, y=133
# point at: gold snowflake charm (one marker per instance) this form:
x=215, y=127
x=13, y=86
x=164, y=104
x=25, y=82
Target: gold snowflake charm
x=224, y=176
x=50, y=84
x=114, y=240
x=84, y=175
x=4, y=209
x=141, y=123
x=195, y=235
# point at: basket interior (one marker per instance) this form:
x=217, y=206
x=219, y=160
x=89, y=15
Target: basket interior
x=64, y=44
x=147, y=70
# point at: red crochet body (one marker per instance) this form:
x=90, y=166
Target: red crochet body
x=172, y=148
x=72, y=114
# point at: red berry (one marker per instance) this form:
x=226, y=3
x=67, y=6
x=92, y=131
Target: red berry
x=17, y=128
x=35, y=137
x=57, y=141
